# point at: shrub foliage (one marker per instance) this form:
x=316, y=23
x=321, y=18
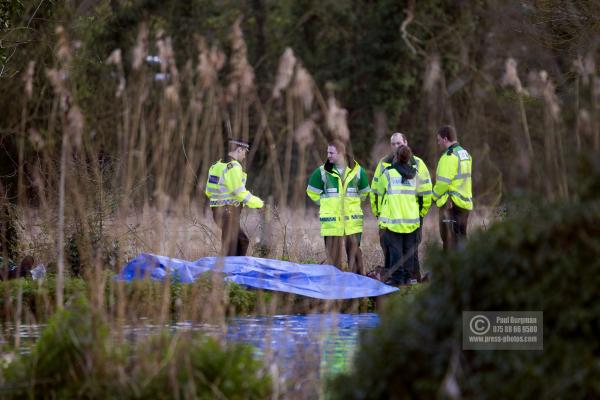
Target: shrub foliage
x=77, y=358
x=547, y=260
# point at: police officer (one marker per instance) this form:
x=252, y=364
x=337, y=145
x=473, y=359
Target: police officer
x=226, y=190
x=338, y=189
x=423, y=193
x=452, y=192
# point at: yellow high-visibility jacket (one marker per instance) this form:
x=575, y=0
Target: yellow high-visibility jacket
x=339, y=198
x=453, y=178
x=399, y=210
x=226, y=185
x=423, y=185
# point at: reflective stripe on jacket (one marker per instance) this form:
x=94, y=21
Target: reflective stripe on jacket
x=339, y=198
x=453, y=178
x=423, y=187
x=226, y=184
x=399, y=205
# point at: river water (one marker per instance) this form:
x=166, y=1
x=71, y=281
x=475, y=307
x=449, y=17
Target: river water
x=311, y=345
x=313, y=342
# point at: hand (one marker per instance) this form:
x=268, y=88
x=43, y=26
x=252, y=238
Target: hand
x=255, y=202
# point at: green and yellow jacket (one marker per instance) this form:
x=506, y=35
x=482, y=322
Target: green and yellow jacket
x=339, y=198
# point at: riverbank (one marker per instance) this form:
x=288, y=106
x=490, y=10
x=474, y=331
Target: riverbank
x=208, y=299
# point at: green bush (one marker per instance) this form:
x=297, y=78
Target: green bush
x=68, y=361
x=238, y=299
x=547, y=260
x=37, y=297
x=197, y=368
x=76, y=358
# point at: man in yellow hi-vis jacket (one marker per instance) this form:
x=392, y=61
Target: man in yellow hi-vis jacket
x=338, y=188
x=423, y=194
x=452, y=192
x=226, y=190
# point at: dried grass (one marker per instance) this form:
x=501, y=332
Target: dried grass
x=285, y=72
x=337, y=120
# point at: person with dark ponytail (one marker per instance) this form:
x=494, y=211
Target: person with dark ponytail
x=399, y=218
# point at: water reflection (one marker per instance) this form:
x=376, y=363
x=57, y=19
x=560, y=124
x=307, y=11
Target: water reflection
x=322, y=343
x=27, y=334
x=311, y=346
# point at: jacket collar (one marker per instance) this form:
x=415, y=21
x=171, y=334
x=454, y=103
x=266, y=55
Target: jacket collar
x=329, y=167
x=228, y=159
x=450, y=149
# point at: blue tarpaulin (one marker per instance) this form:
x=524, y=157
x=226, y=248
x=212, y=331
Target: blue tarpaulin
x=313, y=280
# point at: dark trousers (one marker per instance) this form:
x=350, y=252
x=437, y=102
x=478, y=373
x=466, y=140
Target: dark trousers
x=334, y=247
x=234, y=241
x=416, y=272
x=453, y=226
x=402, y=262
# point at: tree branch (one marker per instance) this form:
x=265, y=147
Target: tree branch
x=410, y=15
